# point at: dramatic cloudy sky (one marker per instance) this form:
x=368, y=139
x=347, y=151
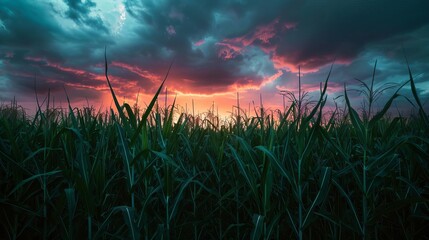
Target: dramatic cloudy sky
x=218, y=47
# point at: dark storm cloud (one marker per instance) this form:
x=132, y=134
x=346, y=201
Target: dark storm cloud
x=34, y=45
x=216, y=45
x=175, y=27
x=194, y=21
x=342, y=29
x=171, y=26
x=335, y=27
x=317, y=32
x=79, y=11
x=26, y=25
x=27, y=75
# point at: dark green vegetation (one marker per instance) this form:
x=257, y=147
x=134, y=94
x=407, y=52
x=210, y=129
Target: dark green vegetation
x=86, y=175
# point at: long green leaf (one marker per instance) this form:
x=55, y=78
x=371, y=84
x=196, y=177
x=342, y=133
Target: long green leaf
x=115, y=100
x=242, y=167
x=354, y=117
x=276, y=163
x=128, y=213
x=25, y=181
x=126, y=155
x=258, y=222
x=178, y=198
x=416, y=97
x=350, y=203
x=148, y=110
x=321, y=194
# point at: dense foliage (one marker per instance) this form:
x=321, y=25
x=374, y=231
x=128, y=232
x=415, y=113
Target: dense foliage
x=79, y=174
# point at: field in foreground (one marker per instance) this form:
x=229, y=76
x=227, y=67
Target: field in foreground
x=140, y=175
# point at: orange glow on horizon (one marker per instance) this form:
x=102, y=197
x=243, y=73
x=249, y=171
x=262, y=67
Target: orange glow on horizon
x=221, y=101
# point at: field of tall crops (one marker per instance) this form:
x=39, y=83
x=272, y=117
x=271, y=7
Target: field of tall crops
x=159, y=174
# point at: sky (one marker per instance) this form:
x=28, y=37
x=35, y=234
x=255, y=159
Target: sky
x=218, y=49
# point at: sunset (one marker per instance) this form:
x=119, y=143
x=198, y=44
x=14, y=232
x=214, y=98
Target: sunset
x=214, y=119
x=218, y=48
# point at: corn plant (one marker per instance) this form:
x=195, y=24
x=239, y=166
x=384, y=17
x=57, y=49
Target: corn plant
x=300, y=172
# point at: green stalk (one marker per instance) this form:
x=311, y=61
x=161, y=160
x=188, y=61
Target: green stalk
x=220, y=210
x=89, y=227
x=167, y=216
x=194, y=171
x=365, y=193
x=45, y=210
x=299, y=96
x=237, y=216
x=238, y=114
x=299, y=201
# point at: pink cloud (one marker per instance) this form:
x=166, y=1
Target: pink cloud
x=310, y=65
x=56, y=65
x=35, y=59
x=244, y=85
x=69, y=69
x=288, y=26
x=199, y=43
x=51, y=80
x=135, y=69
x=171, y=30
x=75, y=71
x=228, y=51
x=85, y=86
x=285, y=62
x=262, y=36
x=99, y=77
x=265, y=33
x=248, y=83
x=272, y=78
x=231, y=47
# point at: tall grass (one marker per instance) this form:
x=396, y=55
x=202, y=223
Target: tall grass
x=124, y=175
